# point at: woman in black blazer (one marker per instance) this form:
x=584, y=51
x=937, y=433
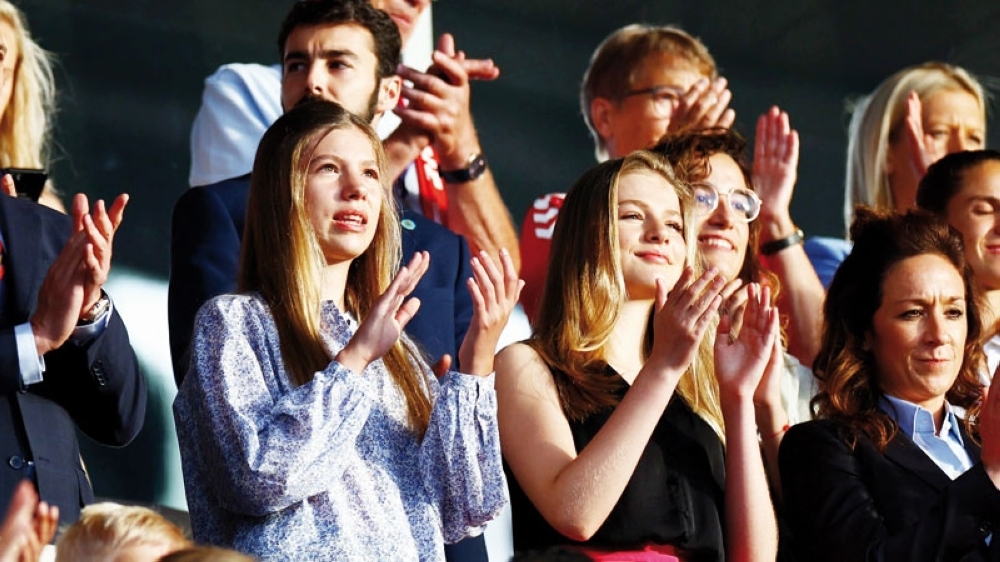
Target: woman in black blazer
x=890, y=471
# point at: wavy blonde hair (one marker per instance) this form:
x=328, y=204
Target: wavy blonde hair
x=281, y=258
x=585, y=288
x=105, y=529
x=876, y=121
x=26, y=126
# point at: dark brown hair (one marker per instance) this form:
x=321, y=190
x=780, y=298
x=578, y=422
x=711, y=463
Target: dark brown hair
x=946, y=177
x=846, y=369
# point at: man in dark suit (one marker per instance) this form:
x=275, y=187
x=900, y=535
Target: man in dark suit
x=65, y=357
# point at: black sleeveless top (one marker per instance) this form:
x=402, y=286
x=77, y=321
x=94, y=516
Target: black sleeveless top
x=675, y=495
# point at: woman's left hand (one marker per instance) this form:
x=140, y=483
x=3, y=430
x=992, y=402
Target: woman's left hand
x=775, y=163
x=741, y=358
x=494, y=296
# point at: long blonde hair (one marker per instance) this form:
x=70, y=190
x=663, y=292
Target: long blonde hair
x=876, y=121
x=26, y=126
x=281, y=257
x=585, y=288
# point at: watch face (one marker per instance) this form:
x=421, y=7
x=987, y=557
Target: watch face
x=477, y=166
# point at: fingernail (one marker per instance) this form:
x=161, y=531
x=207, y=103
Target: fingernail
x=504, y=252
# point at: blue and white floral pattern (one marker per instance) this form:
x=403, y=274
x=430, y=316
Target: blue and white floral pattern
x=328, y=470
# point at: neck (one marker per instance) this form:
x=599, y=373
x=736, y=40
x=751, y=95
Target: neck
x=624, y=347
x=333, y=282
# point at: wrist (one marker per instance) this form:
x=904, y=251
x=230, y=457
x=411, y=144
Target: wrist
x=458, y=157
x=351, y=359
x=775, y=226
x=787, y=240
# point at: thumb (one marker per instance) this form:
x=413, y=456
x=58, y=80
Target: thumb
x=442, y=366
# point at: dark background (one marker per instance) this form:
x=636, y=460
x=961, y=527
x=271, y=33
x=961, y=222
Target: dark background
x=130, y=76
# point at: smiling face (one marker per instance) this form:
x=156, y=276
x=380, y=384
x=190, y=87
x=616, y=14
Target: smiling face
x=343, y=194
x=722, y=236
x=9, y=55
x=918, y=332
x=650, y=233
x=633, y=123
x=975, y=212
x=334, y=62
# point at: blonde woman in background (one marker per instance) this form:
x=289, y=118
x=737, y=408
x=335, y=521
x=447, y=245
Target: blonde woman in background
x=27, y=102
x=910, y=121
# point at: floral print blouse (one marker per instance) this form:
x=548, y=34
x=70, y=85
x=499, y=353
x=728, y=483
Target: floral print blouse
x=327, y=470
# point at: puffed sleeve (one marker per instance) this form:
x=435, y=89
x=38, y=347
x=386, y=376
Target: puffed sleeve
x=259, y=443
x=460, y=455
x=830, y=493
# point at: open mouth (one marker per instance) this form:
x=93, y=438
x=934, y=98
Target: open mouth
x=716, y=243
x=350, y=220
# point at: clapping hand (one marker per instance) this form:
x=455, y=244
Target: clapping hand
x=380, y=330
x=704, y=106
x=775, y=163
x=681, y=318
x=28, y=526
x=741, y=358
x=494, y=295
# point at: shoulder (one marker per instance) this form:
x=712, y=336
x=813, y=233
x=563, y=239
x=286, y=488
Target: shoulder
x=826, y=255
x=427, y=234
x=520, y=369
x=233, y=309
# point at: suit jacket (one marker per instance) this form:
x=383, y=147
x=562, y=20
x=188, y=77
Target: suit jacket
x=206, y=233
x=861, y=504
x=96, y=387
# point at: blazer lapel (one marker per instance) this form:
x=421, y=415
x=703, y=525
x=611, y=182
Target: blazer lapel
x=905, y=453
x=23, y=271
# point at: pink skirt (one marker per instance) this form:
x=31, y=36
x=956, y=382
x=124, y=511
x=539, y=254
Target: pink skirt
x=649, y=553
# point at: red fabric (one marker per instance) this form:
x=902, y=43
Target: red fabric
x=536, y=243
x=433, y=197
x=649, y=553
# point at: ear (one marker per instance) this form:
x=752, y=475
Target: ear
x=602, y=116
x=388, y=93
x=866, y=343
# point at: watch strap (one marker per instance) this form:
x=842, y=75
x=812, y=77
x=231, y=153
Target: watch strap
x=775, y=246
x=476, y=168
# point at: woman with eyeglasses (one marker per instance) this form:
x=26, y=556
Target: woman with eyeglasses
x=627, y=430
x=731, y=228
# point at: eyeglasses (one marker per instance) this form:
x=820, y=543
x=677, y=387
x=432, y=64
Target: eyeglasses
x=742, y=201
x=664, y=98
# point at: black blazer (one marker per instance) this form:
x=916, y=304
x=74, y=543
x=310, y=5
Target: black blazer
x=860, y=504
x=206, y=234
x=96, y=387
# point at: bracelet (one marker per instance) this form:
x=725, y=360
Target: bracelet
x=775, y=246
x=783, y=429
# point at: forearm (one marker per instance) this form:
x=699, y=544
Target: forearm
x=772, y=423
x=401, y=150
x=477, y=211
x=752, y=531
x=802, y=294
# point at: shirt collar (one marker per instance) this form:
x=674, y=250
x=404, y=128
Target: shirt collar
x=914, y=419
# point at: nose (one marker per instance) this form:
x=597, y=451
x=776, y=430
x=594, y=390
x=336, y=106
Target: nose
x=723, y=216
x=937, y=332
x=656, y=231
x=353, y=186
x=315, y=80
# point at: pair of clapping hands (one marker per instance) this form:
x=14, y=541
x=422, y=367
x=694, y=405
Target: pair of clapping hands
x=495, y=292
x=748, y=354
x=74, y=282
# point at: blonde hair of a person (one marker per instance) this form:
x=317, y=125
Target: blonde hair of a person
x=878, y=120
x=25, y=129
x=105, y=529
x=585, y=288
x=281, y=257
x=620, y=56
x=206, y=554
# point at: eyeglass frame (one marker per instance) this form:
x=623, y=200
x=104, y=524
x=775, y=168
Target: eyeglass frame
x=655, y=93
x=728, y=195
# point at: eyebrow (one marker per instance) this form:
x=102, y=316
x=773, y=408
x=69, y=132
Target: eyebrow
x=327, y=54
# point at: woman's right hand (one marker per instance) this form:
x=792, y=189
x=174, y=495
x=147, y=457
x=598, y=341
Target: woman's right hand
x=385, y=322
x=681, y=318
